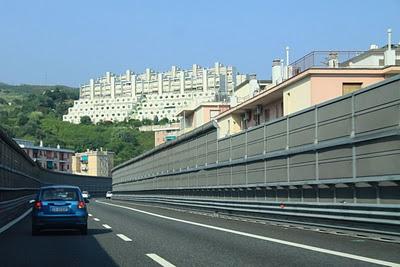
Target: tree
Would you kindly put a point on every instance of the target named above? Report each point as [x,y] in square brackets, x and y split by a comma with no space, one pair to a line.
[86,120]
[163,121]
[155,120]
[135,122]
[22,119]
[147,122]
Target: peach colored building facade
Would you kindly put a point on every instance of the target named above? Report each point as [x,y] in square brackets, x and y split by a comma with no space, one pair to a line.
[165,134]
[196,116]
[306,89]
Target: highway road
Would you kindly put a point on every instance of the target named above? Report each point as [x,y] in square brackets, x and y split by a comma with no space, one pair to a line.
[127,234]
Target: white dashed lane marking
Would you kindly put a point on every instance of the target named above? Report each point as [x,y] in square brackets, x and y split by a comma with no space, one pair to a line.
[97,220]
[106,226]
[265,238]
[160,260]
[90,215]
[124,237]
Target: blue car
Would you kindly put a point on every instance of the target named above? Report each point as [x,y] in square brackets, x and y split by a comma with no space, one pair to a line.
[59,207]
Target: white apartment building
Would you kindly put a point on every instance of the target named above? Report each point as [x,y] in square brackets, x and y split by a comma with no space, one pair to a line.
[151,94]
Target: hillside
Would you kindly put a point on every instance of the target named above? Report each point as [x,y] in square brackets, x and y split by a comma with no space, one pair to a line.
[35,112]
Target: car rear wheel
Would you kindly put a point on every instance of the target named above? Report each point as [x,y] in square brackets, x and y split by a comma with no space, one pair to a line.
[84,230]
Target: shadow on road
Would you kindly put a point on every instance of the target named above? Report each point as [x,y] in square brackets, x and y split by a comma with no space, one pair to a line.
[53,247]
[72,232]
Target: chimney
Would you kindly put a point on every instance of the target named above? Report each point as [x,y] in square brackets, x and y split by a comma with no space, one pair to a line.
[41,143]
[390,54]
[58,146]
[333,61]
[276,71]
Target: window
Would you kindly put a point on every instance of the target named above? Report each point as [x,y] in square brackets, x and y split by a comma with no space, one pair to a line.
[350,87]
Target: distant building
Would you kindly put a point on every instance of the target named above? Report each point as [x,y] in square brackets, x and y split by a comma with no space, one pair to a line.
[56,159]
[93,163]
[162,133]
[152,94]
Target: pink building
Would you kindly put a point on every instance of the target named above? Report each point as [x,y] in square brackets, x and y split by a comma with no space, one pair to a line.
[299,86]
[56,159]
[193,117]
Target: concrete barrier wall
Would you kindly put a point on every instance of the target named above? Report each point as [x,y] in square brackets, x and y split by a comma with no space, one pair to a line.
[346,149]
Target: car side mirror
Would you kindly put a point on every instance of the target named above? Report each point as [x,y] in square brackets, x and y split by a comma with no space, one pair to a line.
[86,200]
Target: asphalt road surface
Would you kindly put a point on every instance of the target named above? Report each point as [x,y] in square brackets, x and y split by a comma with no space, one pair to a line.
[127,234]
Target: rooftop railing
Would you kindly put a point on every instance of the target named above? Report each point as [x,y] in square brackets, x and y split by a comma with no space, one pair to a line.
[323,59]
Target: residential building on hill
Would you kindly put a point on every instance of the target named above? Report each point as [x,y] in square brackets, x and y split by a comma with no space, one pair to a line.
[51,158]
[93,163]
[152,94]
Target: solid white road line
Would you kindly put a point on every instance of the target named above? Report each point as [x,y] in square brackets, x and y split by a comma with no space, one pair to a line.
[97,220]
[90,215]
[124,237]
[160,260]
[283,242]
[8,225]
[106,226]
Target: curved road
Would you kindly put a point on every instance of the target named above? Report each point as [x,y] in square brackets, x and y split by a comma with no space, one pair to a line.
[127,234]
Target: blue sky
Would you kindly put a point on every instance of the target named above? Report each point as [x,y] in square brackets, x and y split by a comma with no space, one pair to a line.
[68,42]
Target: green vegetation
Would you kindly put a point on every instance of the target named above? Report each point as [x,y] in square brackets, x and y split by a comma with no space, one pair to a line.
[35,113]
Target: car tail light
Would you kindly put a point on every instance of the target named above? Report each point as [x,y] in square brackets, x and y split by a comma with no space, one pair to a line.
[81,204]
[38,205]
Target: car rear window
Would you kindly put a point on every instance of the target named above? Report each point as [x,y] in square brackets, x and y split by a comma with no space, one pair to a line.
[59,194]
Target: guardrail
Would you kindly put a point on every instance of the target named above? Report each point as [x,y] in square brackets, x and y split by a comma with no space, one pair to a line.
[371,218]
[11,209]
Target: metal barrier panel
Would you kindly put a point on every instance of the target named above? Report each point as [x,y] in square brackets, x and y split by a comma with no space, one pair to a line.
[276,134]
[255,141]
[378,157]
[212,146]
[238,144]
[335,163]
[302,129]
[334,120]
[224,150]
[302,167]
[255,173]
[346,149]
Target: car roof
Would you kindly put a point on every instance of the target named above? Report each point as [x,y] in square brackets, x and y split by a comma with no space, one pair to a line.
[59,186]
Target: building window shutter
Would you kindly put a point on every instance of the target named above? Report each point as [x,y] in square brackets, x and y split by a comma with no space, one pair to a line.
[350,87]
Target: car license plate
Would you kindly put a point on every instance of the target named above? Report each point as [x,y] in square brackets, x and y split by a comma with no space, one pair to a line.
[59,209]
